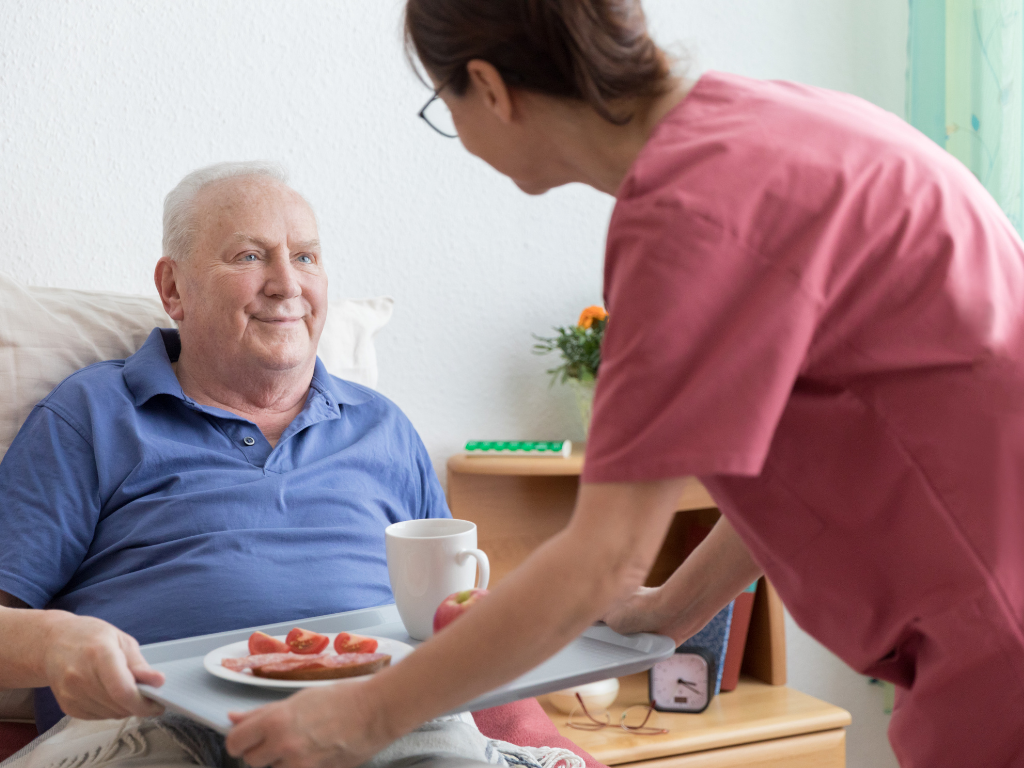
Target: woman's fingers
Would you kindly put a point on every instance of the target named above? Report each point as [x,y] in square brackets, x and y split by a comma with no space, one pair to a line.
[266,739]
[261,755]
[314,728]
[246,735]
[259,736]
[633,614]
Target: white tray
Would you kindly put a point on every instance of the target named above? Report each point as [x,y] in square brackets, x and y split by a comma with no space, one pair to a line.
[192,691]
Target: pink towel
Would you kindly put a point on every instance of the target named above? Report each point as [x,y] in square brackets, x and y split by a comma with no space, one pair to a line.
[527,724]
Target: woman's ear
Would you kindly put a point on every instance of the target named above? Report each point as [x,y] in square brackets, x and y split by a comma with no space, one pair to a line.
[166,277]
[489,86]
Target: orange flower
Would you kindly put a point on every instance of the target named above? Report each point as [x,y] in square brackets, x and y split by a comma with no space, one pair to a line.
[590,314]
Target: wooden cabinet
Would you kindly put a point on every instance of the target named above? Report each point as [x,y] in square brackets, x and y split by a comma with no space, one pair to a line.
[518,502]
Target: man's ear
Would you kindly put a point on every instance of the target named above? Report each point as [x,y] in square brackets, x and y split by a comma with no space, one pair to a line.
[489,86]
[167,276]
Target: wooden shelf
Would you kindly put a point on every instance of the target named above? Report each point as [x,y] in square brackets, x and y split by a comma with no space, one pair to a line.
[754,712]
[695,495]
[473,464]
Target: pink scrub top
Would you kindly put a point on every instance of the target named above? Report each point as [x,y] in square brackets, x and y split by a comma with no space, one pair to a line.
[820,313]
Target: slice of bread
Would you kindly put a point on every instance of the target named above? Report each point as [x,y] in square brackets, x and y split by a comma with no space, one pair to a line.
[325,668]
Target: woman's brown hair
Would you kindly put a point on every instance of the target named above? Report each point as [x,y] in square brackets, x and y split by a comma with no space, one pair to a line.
[596,51]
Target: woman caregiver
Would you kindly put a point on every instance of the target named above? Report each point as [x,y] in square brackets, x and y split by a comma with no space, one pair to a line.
[814,309]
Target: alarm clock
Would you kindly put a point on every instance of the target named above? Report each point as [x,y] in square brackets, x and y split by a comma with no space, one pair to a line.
[684,682]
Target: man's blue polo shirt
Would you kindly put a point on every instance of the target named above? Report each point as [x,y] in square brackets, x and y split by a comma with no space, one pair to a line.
[124,499]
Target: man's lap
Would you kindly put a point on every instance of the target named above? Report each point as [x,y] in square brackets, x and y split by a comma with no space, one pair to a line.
[171,741]
[130,743]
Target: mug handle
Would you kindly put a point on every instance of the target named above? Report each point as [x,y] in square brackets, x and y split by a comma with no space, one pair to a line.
[483,565]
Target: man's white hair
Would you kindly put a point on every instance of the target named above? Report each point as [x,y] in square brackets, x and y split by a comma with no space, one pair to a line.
[179,205]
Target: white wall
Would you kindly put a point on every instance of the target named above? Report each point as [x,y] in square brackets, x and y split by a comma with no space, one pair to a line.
[104,106]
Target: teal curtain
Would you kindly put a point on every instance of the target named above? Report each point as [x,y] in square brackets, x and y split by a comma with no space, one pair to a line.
[965,87]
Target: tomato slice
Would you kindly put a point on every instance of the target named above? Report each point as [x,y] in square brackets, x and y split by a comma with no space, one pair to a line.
[263,643]
[346,642]
[304,641]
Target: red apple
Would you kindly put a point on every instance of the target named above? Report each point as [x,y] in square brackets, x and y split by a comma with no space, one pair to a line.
[454,606]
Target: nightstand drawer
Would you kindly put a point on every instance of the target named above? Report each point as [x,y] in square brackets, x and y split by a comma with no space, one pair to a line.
[814,750]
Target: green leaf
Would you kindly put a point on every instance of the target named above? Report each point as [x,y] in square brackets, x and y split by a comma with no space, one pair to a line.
[580,349]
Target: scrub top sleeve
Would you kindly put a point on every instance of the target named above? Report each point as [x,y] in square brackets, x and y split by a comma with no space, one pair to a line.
[704,343]
[50,507]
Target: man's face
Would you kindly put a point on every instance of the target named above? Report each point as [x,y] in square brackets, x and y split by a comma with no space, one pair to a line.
[253,291]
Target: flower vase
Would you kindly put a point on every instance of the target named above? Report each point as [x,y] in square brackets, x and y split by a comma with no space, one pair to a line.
[584,392]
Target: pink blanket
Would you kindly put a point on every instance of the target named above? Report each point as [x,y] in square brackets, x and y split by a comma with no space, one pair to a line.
[525,723]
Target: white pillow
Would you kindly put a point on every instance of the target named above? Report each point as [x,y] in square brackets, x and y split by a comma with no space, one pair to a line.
[346,345]
[46,334]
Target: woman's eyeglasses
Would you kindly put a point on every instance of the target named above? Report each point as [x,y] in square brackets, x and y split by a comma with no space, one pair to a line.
[633,719]
[436,114]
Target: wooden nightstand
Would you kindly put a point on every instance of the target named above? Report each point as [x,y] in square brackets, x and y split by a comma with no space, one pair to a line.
[517,503]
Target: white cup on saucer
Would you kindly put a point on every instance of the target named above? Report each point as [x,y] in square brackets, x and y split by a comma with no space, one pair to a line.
[427,561]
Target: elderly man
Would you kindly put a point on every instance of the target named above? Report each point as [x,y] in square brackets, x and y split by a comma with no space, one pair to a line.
[218,478]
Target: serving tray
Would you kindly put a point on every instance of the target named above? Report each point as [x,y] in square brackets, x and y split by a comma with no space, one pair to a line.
[190,690]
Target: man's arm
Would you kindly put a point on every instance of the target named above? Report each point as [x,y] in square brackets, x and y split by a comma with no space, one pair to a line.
[718,569]
[92,667]
[48,481]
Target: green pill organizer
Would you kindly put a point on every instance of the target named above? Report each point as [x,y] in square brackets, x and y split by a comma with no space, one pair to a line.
[556,448]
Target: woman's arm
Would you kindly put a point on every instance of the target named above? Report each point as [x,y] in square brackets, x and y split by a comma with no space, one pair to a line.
[603,555]
[718,569]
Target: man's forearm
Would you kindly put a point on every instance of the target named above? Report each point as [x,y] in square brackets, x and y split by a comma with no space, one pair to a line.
[91,666]
[24,633]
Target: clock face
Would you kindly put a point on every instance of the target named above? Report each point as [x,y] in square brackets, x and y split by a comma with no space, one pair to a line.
[681,683]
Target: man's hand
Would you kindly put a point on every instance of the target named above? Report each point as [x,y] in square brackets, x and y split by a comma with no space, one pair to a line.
[314,728]
[93,668]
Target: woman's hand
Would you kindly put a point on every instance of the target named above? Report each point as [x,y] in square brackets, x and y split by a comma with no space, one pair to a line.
[636,613]
[314,728]
[714,573]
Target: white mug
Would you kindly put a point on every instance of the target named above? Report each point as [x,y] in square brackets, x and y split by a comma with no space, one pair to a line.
[427,561]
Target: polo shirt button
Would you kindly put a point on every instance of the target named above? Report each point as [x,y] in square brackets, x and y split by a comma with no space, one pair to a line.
[249,441]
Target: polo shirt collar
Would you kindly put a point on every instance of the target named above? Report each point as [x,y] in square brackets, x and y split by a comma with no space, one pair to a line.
[148,373]
[337,390]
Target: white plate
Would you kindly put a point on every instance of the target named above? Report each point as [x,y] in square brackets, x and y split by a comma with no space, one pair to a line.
[212,661]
